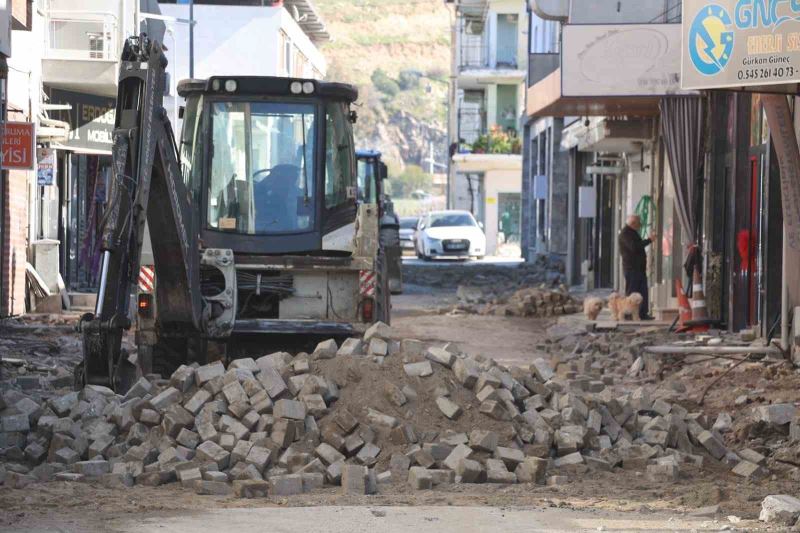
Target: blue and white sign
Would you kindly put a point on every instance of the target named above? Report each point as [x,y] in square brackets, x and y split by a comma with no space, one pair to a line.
[739,43]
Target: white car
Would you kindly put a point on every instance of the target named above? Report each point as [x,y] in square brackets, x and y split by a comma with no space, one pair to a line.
[450,234]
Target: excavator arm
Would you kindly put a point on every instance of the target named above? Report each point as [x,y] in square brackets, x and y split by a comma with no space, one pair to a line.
[146,184]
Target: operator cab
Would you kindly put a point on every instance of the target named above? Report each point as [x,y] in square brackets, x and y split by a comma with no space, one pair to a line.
[371,173]
[269,163]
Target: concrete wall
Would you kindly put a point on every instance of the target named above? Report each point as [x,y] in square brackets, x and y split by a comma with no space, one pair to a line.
[500,174]
[496,182]
[558,240]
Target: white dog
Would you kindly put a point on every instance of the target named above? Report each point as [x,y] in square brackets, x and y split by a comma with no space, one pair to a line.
[625,307]
[592,307]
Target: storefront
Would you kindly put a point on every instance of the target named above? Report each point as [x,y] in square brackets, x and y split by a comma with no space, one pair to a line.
[751,209]
[72,210]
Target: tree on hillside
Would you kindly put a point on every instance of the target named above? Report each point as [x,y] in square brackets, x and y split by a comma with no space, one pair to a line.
[411,179]
[384,83]
[409,79]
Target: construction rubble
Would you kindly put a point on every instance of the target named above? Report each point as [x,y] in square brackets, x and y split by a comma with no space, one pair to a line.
[378,411]
[500,278]
[538,301]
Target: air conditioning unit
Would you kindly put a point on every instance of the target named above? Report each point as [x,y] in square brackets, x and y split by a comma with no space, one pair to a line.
[97,45]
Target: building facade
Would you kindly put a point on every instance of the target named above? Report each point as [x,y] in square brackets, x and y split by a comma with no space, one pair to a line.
[18,32]
[593,153]
[63,80]
[487,103]
[610,132]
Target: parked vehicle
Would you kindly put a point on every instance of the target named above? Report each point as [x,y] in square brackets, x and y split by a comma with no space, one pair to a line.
[453,234]
[371,174]
[408,230]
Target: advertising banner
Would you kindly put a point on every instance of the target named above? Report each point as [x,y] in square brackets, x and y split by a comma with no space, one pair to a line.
[19,146]
[46,171]
[740,43]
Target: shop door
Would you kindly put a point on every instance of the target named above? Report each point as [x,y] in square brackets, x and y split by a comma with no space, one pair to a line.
[509,209]
[604,234]
[748,239]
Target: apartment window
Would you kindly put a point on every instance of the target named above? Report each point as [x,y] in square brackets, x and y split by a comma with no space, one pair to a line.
[544,36]
[472,115]
[288,57]
[283,65]
[96,45]
[298,65]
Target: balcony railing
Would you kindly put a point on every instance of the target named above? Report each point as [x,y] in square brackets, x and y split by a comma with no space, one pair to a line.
[82,35]
[474,53]
[471,124]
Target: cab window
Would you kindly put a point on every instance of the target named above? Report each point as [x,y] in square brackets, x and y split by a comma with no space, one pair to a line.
[367,192]
[340,186]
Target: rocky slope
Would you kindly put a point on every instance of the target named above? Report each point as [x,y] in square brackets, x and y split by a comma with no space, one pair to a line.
[402,108]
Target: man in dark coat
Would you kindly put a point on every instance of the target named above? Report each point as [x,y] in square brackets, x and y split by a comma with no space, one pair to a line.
[634,262]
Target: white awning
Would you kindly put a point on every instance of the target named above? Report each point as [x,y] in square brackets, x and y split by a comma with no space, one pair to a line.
[78,150]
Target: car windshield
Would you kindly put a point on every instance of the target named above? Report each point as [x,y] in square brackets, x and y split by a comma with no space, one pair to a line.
[262,167]
[449,220]
[367,191]
[408,223]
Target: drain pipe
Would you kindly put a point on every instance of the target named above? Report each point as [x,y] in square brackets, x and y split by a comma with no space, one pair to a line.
[712,350]
[784,295]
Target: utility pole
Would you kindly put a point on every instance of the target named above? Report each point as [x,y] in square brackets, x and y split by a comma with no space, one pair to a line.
[191,38]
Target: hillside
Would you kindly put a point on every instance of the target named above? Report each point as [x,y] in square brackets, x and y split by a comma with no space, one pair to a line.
[398,53]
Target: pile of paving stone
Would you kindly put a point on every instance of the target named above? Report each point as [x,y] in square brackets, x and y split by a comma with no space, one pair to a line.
[538,301]
[371,411]
[502,277]
[766,437]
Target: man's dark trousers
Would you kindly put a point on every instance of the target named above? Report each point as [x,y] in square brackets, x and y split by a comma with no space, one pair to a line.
[637,282]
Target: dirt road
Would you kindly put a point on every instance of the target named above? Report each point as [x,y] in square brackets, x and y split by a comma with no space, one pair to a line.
[622,500]
[509,340]
[423,519]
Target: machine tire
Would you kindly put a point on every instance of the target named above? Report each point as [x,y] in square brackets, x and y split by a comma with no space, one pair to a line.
[383,305]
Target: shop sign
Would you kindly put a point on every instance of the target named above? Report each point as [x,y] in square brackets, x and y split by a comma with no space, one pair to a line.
[620,59]
[739,43]
[19,146]
[46,171]
[91,119]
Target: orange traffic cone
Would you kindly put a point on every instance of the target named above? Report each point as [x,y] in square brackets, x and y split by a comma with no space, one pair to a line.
[699,321]
[685,311]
